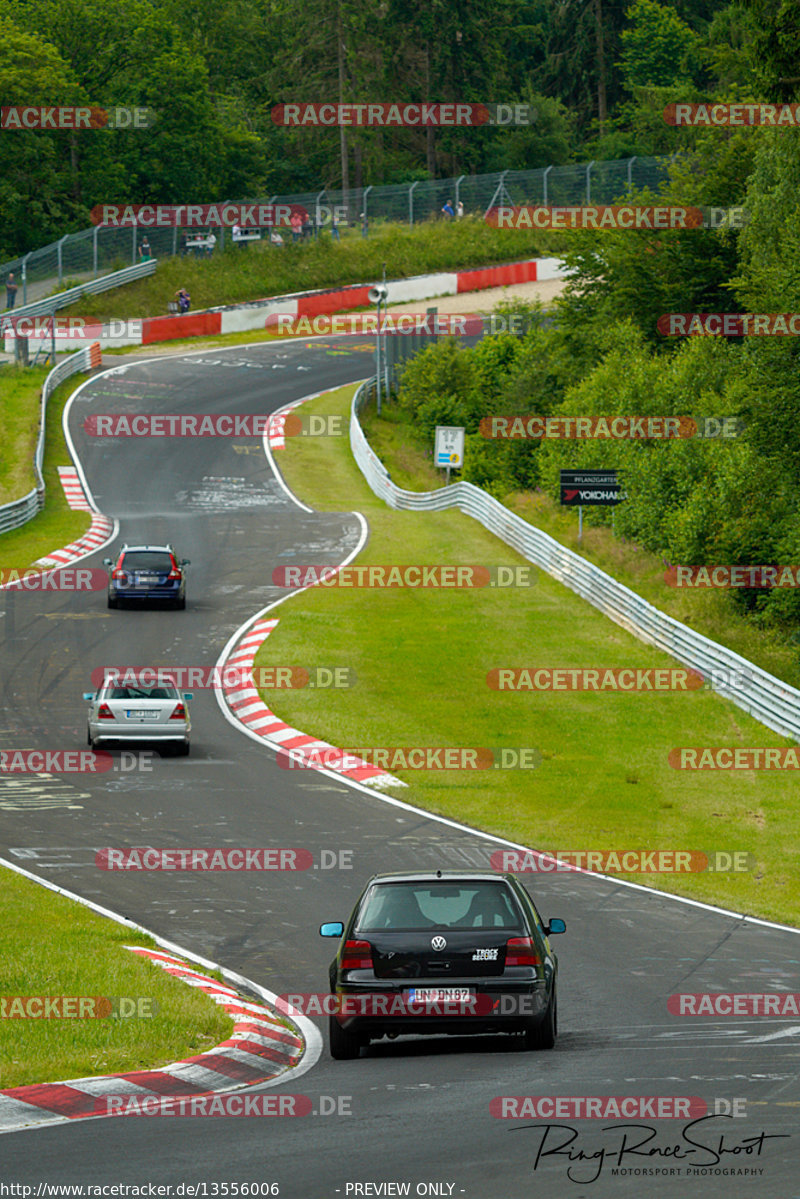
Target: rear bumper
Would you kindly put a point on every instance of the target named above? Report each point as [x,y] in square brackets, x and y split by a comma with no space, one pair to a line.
[103,734]
[498,1007]
[134,594]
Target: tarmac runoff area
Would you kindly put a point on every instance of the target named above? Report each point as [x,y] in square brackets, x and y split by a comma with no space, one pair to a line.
[485,301]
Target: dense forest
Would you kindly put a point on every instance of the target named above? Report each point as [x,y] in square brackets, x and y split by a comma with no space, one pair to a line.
[692,500]
[597,73]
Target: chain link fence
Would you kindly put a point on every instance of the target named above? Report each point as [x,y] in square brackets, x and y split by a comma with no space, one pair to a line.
[102,250]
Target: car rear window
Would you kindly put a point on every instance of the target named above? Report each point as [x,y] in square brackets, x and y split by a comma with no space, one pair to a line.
[164,691]
[146,560]
[405,906]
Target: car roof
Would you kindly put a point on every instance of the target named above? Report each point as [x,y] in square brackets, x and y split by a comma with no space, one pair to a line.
[433,876]
[162,676]
[166,548]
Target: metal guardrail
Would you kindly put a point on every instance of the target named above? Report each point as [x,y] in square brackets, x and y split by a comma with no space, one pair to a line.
[19,512]
[760,694]
[62,299]
[99,247]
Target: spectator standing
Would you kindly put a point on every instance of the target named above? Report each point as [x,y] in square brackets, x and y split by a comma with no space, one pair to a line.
[11,291]
[334,226]
[459,210]
[145,253]
[297,225]
[211,242]
[184,299]
[447,209]
[235,232]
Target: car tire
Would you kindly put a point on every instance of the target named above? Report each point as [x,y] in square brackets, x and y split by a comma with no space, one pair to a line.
[181,603]
[542,1034]
[182,750]
[344,1045]
[88,735]
[113,603]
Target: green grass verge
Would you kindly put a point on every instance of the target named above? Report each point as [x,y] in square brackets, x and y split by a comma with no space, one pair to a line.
[83,954]
[239,275]
[421,660]
[713,612]
[57,524]
[20,389]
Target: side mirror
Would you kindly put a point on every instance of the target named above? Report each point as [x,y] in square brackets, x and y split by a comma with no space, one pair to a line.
[334,928]
[188,695]
[185,562]
[89,695]
[107,562]
[556,926]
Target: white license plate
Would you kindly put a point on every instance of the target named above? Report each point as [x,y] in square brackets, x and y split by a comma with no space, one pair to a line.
[440,995]
[147,580]
[138,715]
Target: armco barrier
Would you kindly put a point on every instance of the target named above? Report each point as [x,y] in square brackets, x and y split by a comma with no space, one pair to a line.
[170,328]
[242,318]
[18,512]
[63,299]
[762,695]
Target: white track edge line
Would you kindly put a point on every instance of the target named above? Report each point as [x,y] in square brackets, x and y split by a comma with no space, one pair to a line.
[309,1030]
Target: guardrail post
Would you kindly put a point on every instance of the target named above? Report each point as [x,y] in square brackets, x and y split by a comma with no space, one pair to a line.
[25,278]
[547,171]
[133,244]
[316,212]
[367,190]
[589,181]
[95,232]
[58,251]
[458,185]
[225,203]
[411,203]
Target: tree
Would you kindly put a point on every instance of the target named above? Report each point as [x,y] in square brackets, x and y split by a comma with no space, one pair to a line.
[658,48]
[34,174]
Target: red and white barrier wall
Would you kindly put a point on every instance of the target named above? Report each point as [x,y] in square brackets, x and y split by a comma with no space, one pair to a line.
[244,318]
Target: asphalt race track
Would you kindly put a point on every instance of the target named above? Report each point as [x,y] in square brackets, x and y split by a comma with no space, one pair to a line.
[418,1110]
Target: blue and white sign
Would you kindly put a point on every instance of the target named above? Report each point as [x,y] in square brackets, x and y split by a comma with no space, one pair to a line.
[449,446]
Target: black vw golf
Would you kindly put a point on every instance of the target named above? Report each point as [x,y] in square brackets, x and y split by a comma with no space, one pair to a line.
[449,952]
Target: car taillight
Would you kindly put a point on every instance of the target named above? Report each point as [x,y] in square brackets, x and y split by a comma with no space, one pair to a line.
[179,713]
[105,713]
[174,573]
[521,951]
[357,955]
[119,574]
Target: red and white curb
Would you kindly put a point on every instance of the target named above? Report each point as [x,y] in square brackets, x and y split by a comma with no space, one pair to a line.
[259,1049]
[73,489]
[276,425]
[98,533]
[247,706]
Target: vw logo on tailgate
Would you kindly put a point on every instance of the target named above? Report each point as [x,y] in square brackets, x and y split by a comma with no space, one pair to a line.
[438,943]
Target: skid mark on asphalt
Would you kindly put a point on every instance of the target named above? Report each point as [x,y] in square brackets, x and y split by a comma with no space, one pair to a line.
[38,791]
[221,494]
